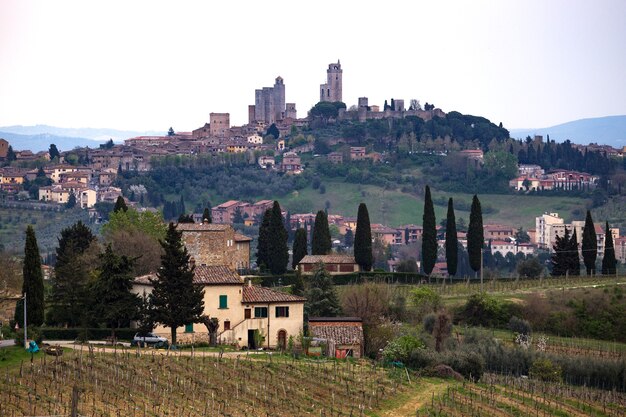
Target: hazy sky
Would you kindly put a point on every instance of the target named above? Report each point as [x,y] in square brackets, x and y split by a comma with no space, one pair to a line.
[153,64]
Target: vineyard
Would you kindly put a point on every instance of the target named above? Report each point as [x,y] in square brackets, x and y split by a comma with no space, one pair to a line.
[508,396]
[130,383]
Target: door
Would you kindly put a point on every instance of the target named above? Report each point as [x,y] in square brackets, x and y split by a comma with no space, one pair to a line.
[247,313]
[282,340]
[251,339]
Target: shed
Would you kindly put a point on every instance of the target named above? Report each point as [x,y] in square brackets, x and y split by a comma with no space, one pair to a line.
[344,335]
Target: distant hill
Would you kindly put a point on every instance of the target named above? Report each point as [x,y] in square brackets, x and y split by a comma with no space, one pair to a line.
[39,137]
[610,130]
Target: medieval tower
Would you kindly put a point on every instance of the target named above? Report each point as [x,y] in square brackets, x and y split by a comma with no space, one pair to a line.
[269,102]
[332,90]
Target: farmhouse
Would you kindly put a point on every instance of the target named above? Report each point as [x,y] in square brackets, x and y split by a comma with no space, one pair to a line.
[334,264]
[249,316]
[343,335]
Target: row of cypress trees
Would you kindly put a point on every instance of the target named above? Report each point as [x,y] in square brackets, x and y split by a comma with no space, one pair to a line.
[272,252]
[475,236]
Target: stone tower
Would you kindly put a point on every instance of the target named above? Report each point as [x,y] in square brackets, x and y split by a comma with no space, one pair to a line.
[332,90]
[269,102]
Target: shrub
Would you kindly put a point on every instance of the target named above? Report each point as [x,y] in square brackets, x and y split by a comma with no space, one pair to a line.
[545,370]
[401,348]
[484,310]
[425,300]
[519,326]
[468,363]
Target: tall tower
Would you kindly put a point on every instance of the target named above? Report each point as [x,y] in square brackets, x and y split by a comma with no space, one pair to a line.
[332,90]
[279,98]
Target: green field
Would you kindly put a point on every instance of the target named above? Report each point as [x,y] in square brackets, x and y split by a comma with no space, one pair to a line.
[395,208]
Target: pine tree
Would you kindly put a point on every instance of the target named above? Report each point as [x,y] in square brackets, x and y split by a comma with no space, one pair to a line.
[363,239]
[69,295]
[176,300]
[278,250]
[297,288]
[561,259]
[321,297]
[120,204]
[609,263]
[263,245]
[451,240]
[53,152]
[429,234]
[32,285]
[206,215]
[475,235]
[590,245]
[299,248]
[321,235]
[114,303]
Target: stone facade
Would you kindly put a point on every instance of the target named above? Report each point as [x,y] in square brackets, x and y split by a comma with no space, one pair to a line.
[269,102]
[219,124]
[333,89]
[4,148]
[213,244]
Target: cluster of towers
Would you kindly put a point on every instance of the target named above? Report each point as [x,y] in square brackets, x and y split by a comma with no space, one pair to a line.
[269,102]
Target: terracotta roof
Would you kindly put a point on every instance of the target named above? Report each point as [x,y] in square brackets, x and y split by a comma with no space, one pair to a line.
[350,333]
[255,294]
[328,259]
[204,275]
[202,226]
[242,238]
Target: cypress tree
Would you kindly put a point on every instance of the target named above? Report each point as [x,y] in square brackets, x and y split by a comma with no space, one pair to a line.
[475,235]
[176,301]
[429,234]
[560,258]
[348,239]
[71,201]
[262,249]
[321,297]
[33,283]
[278,253]
[574,257]
[609,263]
[321,244]
[451,240]
[206,215]
[590,245]
[363,239]
[299,247]
[120,204]
[182,208]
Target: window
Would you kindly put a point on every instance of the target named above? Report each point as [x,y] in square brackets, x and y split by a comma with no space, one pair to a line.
[260,312]
[189,328]
[226,324]
[223,301]
[282,311]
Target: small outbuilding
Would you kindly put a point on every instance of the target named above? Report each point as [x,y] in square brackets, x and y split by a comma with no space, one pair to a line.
[334,264]
[343,335]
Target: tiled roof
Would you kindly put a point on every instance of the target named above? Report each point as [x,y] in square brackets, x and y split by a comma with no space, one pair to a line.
[204,275]
[348,334]
[255,294]
[242,238]
[202,226]
[328,259]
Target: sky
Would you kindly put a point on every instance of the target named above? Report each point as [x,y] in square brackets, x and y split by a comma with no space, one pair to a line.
[149,65]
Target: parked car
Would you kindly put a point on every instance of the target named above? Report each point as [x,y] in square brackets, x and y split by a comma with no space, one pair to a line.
[149,339]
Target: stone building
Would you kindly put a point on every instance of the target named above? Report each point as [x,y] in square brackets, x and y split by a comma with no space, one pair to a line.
[4,148]
[269,103]
[334,264]
[332,90]
[219,124]
[343,335]
[216,244]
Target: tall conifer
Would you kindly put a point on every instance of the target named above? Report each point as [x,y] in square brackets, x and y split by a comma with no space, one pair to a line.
[299,247]
[33,283]
[475,235]
[176,301]
[263,249]
[429,234]
[609,263]
[451,240]
[278,251]
[206,215]
[363,239]
[590,245]
[574,257]
[321,235]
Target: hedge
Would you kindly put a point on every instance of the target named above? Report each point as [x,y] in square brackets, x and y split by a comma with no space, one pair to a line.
[60,333]
[346,279]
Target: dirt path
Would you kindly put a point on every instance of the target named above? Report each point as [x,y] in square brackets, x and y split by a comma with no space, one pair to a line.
[421,395]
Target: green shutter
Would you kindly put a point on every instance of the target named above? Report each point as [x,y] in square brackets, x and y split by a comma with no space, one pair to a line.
[223,301]
[189,328]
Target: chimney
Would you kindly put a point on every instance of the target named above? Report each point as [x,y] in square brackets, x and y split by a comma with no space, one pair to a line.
[250,282]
